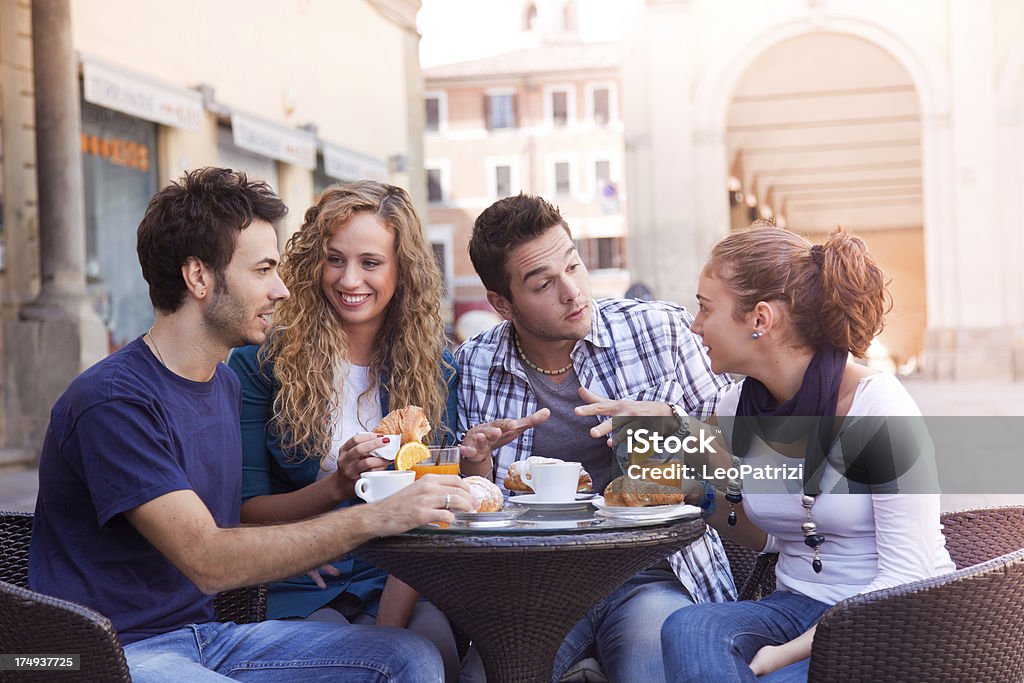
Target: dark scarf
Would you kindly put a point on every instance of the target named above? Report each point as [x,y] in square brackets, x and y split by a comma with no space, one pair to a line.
[811,413]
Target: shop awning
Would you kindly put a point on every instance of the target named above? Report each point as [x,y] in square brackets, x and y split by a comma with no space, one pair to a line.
[136,95]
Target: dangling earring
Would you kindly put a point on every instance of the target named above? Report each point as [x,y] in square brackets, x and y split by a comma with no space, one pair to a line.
[756,335]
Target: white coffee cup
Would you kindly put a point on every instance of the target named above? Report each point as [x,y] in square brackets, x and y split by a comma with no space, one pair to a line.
[389,450]
[374,486]
[554,482]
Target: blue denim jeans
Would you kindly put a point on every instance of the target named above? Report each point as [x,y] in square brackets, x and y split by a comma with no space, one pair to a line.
[716,641]
[284,651]
[623,631]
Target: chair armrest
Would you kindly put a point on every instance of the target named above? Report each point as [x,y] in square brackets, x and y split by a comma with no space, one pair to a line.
[33,623]
[965,625]
[246,605]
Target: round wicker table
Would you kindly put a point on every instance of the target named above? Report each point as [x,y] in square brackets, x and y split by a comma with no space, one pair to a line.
[517,591]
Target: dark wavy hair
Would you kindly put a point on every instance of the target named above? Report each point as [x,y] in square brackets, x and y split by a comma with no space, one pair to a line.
[503,226]
[199,216]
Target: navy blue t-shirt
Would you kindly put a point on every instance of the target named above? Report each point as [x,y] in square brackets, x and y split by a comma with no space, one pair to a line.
[126,431]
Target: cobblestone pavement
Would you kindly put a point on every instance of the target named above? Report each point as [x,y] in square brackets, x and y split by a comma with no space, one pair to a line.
[18,486]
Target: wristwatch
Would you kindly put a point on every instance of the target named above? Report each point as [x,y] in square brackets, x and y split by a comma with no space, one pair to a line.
[680,414]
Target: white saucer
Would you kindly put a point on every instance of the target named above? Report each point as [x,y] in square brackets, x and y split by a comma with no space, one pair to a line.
[498,518]
[507,513]
[530,500]
[654,512]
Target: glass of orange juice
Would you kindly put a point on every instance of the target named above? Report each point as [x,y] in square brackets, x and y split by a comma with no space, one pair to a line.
[443,460]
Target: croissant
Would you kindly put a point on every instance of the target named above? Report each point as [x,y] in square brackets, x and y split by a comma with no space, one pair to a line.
[410,422]
[488,496]
[514,477]
[625,491]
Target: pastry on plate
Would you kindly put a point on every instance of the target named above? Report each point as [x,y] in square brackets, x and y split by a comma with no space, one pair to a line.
[487,495]
[626,491]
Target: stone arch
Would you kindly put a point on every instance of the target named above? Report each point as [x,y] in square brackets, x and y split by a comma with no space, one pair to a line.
[928,72]
[926,68]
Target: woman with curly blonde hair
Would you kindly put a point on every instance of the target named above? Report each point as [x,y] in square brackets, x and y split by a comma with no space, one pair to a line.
[361,334]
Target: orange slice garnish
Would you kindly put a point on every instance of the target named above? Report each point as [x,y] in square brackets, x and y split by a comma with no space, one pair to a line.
[411,454]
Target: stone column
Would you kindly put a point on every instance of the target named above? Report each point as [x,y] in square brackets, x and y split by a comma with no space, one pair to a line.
[59,165]
[61,196]
[58,334]
[665,242]
[296,191]
[969,328]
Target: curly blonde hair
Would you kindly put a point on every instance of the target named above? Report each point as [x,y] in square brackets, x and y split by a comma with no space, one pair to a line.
[308,343]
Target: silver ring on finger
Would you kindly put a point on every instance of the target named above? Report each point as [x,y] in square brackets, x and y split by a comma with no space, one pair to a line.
[447,501]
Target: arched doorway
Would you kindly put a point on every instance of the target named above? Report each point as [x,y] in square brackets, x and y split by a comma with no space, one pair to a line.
[815,142]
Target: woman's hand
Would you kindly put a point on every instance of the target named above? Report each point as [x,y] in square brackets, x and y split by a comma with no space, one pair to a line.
[774,657]
[318,579]
[767,660]
[354,458]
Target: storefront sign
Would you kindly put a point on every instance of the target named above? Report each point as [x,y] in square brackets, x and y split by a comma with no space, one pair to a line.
[138,96]
[271,140]
[344,164]
[127,153]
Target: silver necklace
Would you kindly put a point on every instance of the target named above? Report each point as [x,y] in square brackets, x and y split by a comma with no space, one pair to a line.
[156,348]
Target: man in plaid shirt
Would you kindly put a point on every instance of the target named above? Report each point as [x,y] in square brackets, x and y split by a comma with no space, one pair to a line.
[542,383]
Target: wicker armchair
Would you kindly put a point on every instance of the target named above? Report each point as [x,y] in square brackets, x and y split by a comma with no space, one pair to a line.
[752,572]
[33,623]
[968,625]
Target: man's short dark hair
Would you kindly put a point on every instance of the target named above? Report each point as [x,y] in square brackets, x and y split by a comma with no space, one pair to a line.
[199,216]
[503,226]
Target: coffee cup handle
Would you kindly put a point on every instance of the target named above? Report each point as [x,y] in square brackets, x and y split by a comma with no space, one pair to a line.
[360,489]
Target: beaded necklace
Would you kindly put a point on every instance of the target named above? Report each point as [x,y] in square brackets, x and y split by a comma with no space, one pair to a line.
[534,366]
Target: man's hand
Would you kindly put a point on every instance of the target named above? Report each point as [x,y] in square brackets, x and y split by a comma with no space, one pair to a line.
[483,439]
[433,499]
[599,405]
[354,458]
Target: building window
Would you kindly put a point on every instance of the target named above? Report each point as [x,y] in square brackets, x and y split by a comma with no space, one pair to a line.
[435,191]
[433,123]
[502,181]
[440,254]
[440,238]
[602,253]
[602,174]
[559,108]
[562,185]
[530,17]
[602,106]
[569,17]
[501,111]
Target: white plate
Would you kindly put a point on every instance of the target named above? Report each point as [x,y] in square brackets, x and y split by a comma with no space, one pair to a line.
[654,512]
[530,501]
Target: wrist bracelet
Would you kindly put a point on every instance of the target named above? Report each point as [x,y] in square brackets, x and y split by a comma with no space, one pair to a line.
[680,415]
[707,501]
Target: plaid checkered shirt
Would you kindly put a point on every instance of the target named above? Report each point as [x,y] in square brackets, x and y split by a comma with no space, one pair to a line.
[640,350]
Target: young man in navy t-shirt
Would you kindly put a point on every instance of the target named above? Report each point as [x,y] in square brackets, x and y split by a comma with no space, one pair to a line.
[140,474]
